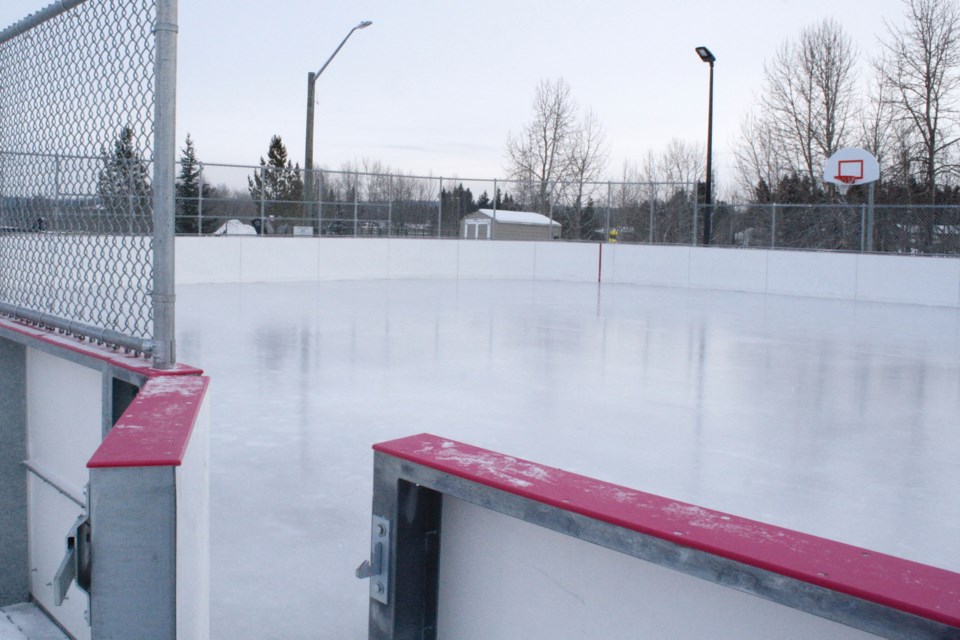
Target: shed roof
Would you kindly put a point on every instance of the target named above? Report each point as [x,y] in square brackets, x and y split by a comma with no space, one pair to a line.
[518,217]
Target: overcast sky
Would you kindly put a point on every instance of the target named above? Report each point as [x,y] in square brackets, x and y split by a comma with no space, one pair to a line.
[435,87]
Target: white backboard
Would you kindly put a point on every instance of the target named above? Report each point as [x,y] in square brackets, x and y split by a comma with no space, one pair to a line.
[851,166]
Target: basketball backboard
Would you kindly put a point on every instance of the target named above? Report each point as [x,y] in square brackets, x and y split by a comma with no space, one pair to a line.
[851,166]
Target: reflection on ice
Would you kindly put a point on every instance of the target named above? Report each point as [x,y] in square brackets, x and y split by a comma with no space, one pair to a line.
[830,417]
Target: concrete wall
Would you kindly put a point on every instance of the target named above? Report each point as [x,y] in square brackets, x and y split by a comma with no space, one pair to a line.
[865,277]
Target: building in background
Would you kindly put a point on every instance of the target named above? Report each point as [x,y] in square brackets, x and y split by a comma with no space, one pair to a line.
[490,224]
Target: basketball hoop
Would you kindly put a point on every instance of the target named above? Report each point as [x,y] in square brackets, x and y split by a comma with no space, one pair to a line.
[844,183]
[848,167]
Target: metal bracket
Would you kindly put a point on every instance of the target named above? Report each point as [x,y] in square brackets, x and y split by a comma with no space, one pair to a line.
[377,568]
[76,562]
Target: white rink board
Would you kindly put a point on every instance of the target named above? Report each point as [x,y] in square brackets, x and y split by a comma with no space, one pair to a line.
[504,578]
[848,276]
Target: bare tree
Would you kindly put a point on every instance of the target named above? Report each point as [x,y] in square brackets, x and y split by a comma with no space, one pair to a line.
[810,95]
[586,160]
[537,155]
[682,163]
[759,156]
[921,72]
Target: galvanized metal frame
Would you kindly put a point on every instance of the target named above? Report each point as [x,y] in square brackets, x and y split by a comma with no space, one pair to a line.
[14,553]
[133,587]
[163,158]
[410,496]
[164,185]
[132,510]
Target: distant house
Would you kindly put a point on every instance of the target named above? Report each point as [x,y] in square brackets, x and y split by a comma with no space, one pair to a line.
[487,224]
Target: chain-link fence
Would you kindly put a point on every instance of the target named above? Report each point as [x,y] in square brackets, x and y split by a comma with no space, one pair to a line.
[269,201]
[77,152]
[904,229]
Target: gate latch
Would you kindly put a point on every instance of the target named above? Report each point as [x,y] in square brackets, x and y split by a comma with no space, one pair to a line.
[377,568]
[76,562]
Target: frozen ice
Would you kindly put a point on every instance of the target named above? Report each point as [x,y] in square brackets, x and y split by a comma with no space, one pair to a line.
[26,622]
[834,418]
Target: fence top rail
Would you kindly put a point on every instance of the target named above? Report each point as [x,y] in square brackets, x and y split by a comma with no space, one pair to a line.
[451,178]
[900,584]
[35,19]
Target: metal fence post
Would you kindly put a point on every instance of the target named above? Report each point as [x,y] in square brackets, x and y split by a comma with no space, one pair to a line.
[164,181]
[263,194]
[356,195]
[693,237]
[320,205]
[200,204]
[440,209]
[550,195]
[653,203]
[493,223]
[606,227]
[773,225]
[863,228]
[390,206]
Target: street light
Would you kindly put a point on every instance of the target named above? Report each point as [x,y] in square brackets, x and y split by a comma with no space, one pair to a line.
[709,58]
[308,155]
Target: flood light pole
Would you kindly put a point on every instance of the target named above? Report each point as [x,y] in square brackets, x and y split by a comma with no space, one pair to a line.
[308,154]
[709,58]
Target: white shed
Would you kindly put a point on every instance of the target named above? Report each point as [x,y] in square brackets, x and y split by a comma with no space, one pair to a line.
[488,224]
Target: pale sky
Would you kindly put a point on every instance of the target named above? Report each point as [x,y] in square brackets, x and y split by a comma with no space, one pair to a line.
[435,87]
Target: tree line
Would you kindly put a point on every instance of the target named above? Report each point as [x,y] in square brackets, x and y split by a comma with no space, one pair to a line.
[812,101]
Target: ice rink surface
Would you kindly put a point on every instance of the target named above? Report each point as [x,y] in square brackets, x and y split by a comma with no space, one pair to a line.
[835,418]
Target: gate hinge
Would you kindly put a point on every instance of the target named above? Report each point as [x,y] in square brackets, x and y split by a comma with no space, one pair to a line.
[377,568]
[76,562]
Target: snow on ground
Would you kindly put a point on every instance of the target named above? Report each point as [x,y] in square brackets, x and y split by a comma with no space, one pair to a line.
[830,417]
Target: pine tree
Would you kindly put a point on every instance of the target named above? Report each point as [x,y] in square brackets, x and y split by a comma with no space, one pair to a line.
[124,185]
[278,184]
[188,190]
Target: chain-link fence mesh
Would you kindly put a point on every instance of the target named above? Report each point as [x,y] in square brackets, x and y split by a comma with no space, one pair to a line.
[269,201]
[76,135]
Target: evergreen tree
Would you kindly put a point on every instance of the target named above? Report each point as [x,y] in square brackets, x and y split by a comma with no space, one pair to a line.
[484,202]
[188,190]
[124,185]
[278,184]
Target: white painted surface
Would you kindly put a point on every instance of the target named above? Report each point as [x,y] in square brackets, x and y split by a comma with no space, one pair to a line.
[728,269]
[208,259]
[422,258]
[912,280]
[874,277]
[50,518]
[514,260]
[64,421]
[812,273]
[657,265]
[273,259]
[193,533]
[504,578]
[353,258]
[64,428]
[567,262]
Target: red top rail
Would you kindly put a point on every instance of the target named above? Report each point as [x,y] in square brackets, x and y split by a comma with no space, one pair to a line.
[900,584]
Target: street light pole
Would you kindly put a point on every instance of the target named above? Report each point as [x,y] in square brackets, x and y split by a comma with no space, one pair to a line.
[311,98]
[709,58]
